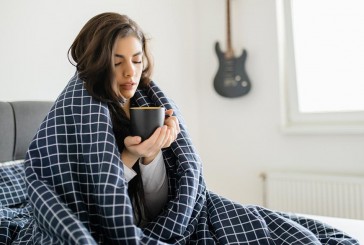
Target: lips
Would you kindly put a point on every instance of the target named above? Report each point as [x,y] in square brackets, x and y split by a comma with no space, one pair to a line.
[127,86]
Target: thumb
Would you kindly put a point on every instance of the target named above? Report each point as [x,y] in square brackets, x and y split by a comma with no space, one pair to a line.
[169,112]
[132,140]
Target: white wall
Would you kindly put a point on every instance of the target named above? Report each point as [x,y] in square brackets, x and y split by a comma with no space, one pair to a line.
[240,138]
[237,139]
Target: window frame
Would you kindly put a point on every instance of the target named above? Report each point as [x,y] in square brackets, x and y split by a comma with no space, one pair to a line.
[292,120]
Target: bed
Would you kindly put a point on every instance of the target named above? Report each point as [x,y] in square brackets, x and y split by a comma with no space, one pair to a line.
[353,227]
[19,121]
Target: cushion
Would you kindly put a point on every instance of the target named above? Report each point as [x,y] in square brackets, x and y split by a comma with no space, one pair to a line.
[7,132]
[28,116]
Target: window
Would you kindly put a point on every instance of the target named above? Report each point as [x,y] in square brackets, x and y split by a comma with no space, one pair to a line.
[321,60]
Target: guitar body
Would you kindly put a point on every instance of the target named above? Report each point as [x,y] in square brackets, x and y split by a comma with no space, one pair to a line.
[231,79]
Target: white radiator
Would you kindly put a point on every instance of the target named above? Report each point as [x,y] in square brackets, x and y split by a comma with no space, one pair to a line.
[327,195]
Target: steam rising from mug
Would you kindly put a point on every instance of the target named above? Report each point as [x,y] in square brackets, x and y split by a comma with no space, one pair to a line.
[145,120]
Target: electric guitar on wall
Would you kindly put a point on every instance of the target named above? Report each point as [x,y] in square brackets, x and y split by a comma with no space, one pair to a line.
[231,79]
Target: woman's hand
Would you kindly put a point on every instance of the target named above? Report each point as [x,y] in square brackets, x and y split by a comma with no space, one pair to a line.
[173,125]
[149,148]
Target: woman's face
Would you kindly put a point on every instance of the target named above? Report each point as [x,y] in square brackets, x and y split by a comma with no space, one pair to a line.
[128,66]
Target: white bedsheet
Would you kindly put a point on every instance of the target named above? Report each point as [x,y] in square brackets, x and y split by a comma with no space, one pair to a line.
[352,227]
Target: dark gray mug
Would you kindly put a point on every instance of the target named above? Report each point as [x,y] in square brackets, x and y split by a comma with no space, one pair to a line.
[145,120]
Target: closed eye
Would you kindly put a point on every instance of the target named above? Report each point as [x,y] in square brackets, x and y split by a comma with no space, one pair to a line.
[135,62]
[137,56]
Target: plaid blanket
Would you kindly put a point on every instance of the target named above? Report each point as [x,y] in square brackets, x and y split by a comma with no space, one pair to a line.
[78,193]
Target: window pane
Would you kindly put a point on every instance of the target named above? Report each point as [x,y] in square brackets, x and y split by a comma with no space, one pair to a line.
[329,54]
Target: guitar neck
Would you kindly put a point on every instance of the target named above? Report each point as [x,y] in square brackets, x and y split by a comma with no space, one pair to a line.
[229,51]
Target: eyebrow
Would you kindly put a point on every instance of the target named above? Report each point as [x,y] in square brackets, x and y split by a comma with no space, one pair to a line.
[122,56]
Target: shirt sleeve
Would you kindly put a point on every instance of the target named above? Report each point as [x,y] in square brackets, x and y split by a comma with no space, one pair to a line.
[129,173]
[155,184]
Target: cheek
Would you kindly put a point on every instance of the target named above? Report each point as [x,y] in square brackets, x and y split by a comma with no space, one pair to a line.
[115,74]
[139,71]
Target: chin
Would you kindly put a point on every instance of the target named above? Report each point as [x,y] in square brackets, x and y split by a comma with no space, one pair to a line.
[128,96]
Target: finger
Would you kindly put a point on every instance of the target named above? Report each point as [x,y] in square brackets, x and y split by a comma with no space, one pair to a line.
[158,144]
[153,143]
[169,113]
[145,148]
[169,122]
[173,122]
[153,138]
[168,140]
[177,125]
[164,137]
[173,135]
[132,140]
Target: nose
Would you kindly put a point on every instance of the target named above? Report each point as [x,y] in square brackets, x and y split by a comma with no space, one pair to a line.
[129,70]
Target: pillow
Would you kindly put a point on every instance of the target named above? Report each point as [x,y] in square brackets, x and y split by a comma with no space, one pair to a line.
[12,184]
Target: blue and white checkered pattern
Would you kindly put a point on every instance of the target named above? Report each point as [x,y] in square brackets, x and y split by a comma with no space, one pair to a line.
[79,195]
[15,213]
[12,184]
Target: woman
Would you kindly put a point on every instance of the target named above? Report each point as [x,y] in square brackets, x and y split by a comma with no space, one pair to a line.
[90,182]
[113,78]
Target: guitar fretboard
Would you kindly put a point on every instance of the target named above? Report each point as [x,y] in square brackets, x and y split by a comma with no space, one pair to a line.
[229,52]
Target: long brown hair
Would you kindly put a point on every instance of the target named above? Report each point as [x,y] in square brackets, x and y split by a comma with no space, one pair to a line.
[91,53]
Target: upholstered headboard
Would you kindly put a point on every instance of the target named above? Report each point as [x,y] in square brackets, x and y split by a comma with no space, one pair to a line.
[19,121]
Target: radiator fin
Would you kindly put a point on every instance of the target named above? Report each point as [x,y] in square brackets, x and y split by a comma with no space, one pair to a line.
[326,195]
